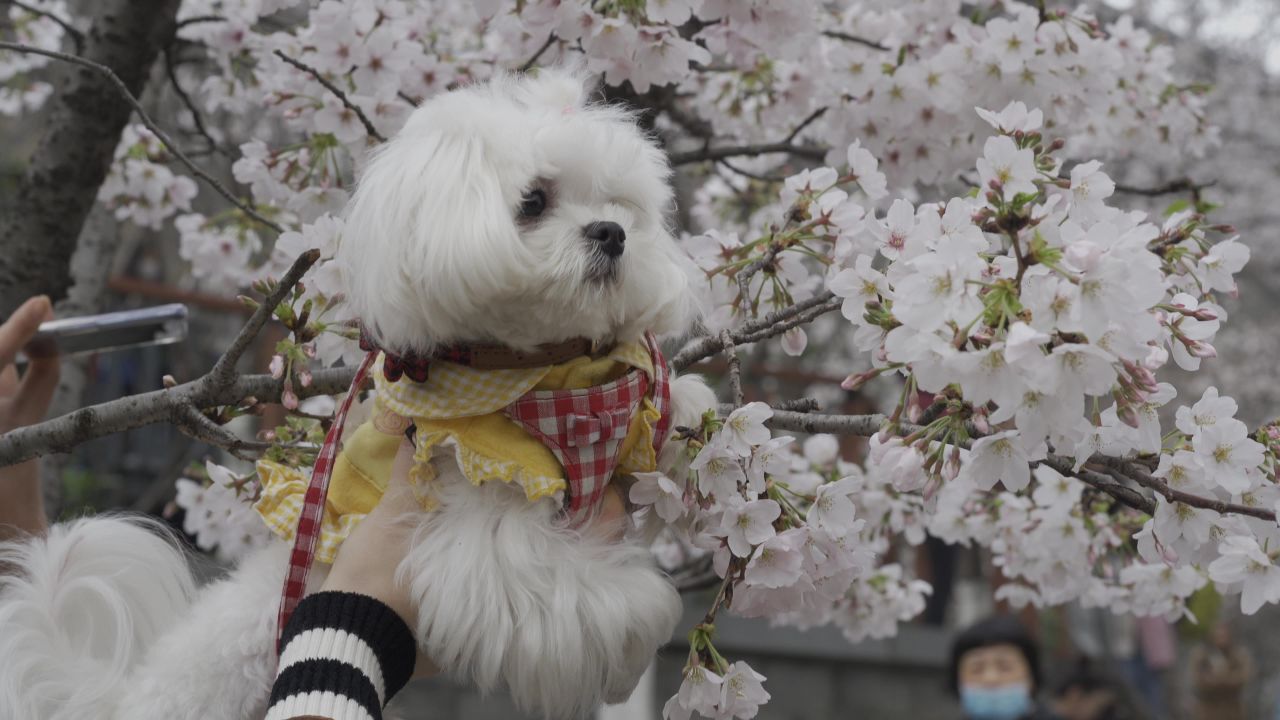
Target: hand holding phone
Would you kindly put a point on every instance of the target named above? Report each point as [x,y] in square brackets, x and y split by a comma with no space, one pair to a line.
[159,325]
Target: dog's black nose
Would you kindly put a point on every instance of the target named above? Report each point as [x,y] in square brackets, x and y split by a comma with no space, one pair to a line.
[610,236]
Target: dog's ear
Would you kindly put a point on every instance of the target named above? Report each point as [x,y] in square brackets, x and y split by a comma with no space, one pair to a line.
[427,229]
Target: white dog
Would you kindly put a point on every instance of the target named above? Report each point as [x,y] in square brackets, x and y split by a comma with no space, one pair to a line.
[511,212]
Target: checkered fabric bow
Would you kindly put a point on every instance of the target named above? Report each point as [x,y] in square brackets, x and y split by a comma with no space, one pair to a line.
[584,430]
[394,366]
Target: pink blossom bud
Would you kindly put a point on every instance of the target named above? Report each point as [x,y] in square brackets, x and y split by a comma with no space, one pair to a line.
[304,378]
[951,468]
[853,382]
[1128,415]
[1201,349]
[1204,314]
[288,398]
[981,424]
[1143,379]
[309,350]
[277,366]
[914,411]
[267,435]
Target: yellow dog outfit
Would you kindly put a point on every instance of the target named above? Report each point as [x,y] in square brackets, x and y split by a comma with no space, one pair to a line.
[469,411]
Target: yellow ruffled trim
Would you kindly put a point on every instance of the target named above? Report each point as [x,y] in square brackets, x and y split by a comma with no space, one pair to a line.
[479,468]
[280,505]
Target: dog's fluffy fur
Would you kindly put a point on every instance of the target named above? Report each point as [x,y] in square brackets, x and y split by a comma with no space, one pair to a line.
[99,619]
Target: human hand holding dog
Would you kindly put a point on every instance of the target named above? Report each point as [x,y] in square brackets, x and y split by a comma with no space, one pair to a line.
[23,401]
[367,560]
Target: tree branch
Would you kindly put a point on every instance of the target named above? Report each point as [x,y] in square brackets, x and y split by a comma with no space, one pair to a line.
[77,37]
[753,175]
[721,153]
[735,367]
[1173,186]
[177,404]
[1120,469]
[197,120]
[160,134]
[527,65]
[771,325]
[795,132]
[337,92]
[224,370]
[857,40]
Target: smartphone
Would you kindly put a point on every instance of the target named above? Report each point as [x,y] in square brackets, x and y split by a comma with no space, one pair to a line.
[160,325]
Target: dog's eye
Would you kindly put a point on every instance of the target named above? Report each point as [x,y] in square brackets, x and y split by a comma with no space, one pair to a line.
[533,204]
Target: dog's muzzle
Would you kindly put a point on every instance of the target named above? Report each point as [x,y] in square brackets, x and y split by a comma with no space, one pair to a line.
[608,238]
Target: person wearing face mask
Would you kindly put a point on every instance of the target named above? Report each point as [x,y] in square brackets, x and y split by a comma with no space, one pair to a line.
[995,672]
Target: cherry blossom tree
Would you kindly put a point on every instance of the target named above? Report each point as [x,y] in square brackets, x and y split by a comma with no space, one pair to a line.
[925,186]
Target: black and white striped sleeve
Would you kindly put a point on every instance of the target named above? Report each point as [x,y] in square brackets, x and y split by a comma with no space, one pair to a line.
[343,655]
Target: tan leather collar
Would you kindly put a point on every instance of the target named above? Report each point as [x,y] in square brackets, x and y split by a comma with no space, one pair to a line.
[483,356]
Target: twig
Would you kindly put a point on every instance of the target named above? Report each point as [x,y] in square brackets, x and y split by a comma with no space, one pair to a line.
[528,64]
[196,424]
[196,119]
[771,325]
[223,373]
[336,91]
[752,175]
[77,37]
[743,276]
[855,39]
[795,132]
[1173,186]
[200,19]
[804,151]
[161,135]
[735,367]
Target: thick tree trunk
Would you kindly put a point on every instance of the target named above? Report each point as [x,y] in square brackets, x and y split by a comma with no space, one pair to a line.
[62,178]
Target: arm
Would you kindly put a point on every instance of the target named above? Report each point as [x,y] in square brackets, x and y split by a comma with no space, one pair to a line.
[23,401]
[348,649]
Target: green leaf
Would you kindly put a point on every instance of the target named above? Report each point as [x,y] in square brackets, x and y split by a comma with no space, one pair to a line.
[1177,206]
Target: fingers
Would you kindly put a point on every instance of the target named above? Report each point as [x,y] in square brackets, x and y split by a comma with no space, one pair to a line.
[401,465]
[8,380]
[610,519]
[35,390]
[21,325]
[399,497]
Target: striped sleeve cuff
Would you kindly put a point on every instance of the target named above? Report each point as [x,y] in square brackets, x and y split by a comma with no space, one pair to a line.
[343,656]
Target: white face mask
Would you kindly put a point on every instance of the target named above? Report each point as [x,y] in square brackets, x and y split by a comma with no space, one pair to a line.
[1004,702]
